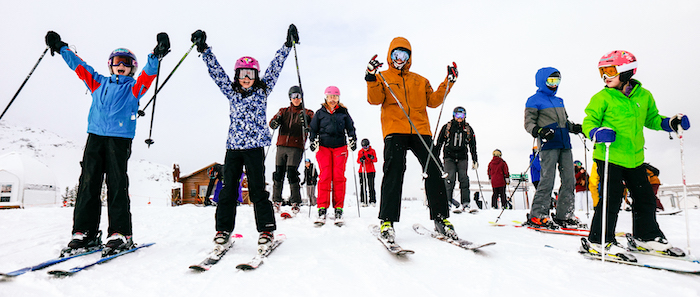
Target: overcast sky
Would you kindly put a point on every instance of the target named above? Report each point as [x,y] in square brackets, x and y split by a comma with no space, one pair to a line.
[497,45]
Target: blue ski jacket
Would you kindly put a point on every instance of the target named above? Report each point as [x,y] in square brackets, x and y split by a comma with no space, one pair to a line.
[115,99]
[331,127]
[544,109]
[248,127]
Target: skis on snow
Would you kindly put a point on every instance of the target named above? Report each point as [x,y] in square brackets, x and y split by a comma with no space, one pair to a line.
[392,247]
[465,244]
[262,255]
[215,255]
[49,263]
[74,270]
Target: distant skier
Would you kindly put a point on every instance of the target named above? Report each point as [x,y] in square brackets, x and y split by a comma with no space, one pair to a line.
[216,182]
[458,138]
[248,134]
[583,200]
[617,115]
[366,157]
[500,178]
[111,129]
[330,129]
[547,120]
[291,140]
[653,175]
[414,94]
[310,179]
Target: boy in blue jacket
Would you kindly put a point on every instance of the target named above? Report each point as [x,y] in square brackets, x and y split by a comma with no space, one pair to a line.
[111,128]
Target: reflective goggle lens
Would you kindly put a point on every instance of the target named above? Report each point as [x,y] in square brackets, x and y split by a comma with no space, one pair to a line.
[249,73]
[127,61]
[553,81]
[460,115]
[608,71]
[399,54]
[295,96]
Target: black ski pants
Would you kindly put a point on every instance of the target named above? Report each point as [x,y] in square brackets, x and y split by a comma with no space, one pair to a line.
[367,186]
[255,171]
[103,155]
[395,148]
[644,225]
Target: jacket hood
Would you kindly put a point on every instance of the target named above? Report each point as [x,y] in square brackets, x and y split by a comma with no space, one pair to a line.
[541,80]
[396,43]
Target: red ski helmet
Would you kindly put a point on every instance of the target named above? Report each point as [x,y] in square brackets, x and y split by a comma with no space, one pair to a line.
[617,62]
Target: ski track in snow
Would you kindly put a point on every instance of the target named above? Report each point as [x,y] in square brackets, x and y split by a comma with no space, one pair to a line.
[346,261]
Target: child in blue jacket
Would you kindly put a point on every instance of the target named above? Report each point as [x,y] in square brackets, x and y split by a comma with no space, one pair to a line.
[111,128]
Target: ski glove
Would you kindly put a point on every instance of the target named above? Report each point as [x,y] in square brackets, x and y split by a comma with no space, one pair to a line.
[53,41]
[362,159]
[274,123]
[199,38]
[452,73]
[475,165]
[353,143]
[314,145]
[163,46]
[671,124]
[372,69]
[576,129]
[371,157]
[545,133]
[602,135]
[292,36]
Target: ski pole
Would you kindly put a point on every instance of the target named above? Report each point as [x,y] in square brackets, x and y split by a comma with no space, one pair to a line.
[149,141]
[443,174]
[685,188]
[271,145]
[585,159]
[437,124]
[481,192]
[153,99]
[365,178]
[537,152]
[25,81]
[604,200]
[357,197]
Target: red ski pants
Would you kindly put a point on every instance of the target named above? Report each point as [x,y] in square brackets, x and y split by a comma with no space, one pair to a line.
[331,163]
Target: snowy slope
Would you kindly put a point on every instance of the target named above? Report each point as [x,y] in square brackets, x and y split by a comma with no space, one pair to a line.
[329,260]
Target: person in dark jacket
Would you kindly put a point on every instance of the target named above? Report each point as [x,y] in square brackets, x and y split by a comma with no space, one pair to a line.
[111,129]
[367,157]
[547,120]
[458,138]
[291,121]
[216,182]
[310,178]
[330,127]
[499,177]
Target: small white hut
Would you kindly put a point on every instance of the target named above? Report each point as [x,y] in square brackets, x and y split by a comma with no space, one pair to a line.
[25,181]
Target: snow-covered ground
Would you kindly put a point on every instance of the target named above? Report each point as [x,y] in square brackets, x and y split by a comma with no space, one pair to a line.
[329,260]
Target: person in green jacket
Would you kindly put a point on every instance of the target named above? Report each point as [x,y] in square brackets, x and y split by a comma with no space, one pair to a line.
[616,116]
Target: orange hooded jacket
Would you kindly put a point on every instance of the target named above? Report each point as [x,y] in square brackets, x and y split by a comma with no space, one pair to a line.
[412,90]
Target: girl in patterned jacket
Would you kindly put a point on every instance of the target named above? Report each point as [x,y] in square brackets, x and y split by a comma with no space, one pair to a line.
[248,134]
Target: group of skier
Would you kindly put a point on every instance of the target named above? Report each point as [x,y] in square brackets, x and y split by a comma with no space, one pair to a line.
[614,120]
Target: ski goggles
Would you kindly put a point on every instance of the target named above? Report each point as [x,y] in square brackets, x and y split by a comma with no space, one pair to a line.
[578,163]
[460,115]
[249,73]
[126,61]
[295,96]
[612,70]
[400,55]
[553,81]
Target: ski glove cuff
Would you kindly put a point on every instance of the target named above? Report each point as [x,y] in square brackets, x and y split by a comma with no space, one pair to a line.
[602,135]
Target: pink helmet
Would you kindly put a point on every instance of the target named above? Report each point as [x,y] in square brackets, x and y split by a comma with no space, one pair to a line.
[622,60]
[247,62]
[332,90]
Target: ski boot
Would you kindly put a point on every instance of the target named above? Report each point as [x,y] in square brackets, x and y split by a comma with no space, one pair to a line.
[386,231]
[573,223]
[657,245]
[117,243]
[277,206]
[444,228]
[295,208]
[265,242]
[222,237]
[339,217]
[321,217]
[540,223]
[81,243]
[612,250]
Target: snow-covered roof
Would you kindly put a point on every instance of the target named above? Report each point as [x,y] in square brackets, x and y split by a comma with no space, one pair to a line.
[30,171]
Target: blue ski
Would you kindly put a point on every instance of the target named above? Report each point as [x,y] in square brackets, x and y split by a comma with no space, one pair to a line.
[74,270]
[46,264]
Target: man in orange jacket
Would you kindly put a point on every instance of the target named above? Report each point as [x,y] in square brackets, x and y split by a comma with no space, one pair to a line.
[414,94]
